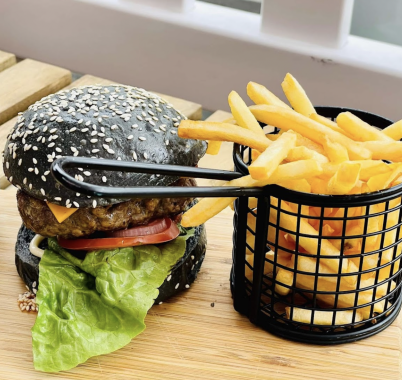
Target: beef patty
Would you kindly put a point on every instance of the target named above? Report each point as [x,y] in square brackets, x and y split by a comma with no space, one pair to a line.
[37,216]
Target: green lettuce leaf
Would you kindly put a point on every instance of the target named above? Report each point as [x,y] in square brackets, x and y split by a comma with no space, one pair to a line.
[97,305]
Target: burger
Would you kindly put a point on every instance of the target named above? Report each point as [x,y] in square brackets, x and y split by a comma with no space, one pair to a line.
[80,254]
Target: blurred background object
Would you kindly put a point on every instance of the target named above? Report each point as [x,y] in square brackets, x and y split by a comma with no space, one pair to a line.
[201,50]
[378,20]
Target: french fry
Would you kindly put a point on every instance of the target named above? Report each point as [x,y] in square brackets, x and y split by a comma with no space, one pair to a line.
[309,265]
[204,210]
[215,146]
[252,203]
[358,188]
[284,278]
[295,170]
[254,154]
[330,282]
[261,95]
[247,271]
[312,154]
[267,162]
[243,115]
[329,211]
[384,150]
[329,169]
[373,226]
[337,225]
[288,119]
[231,120]
[300,185]
[353,250]
[303,153]
[390,236]
[305,148]
[318,186]
[207,208]
[329,123]
[384,180]
[370,168]
[327,230]
[303,209]
[300,142]
[322,317]
[360,130]
[344,179]
[311,244]
[394,131]
[297,96]
[336,152]
[209,130]
[343,300]
[272,137]
[350,243]
[268,266]
[285,172]
[397,181]
[372,242]
[282,257]
[306,142]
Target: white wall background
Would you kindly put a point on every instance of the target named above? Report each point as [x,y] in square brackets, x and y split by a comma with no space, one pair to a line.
[200,55]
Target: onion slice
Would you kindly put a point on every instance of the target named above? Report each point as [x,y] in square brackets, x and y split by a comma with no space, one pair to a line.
[34,245]
[155,227]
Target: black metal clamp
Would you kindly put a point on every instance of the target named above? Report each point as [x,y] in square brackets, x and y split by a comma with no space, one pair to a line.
[59,173]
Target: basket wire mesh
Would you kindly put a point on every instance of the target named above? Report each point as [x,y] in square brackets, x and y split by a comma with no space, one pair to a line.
[317,268]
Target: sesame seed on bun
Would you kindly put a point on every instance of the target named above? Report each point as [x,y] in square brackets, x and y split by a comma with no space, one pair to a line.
[114,122]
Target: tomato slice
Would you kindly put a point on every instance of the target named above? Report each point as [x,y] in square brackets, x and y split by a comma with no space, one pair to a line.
[155,227]
[170,233]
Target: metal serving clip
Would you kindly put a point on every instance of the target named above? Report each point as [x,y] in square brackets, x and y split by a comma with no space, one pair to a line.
[58,171]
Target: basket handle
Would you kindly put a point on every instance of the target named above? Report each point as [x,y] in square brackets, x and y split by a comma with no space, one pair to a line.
[58,171]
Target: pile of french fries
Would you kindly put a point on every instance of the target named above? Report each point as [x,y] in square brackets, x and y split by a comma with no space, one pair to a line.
[314,154]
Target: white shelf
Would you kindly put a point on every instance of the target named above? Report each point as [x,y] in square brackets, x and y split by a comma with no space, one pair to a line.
[200,54]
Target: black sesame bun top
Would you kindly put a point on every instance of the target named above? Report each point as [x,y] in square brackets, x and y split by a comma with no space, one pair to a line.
[114,122]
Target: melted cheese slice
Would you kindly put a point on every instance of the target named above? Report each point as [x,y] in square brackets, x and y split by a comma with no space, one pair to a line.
[61,213]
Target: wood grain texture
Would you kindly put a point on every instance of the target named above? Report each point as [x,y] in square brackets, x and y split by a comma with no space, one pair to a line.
[187,337]
[25,83]
[6,60]
[192,110]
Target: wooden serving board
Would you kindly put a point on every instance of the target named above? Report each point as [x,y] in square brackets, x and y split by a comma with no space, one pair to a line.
[195,335]
[6,60]
[25,83]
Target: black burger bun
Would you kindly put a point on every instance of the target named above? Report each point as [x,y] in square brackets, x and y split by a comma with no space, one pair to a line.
[183,273]
[114,122]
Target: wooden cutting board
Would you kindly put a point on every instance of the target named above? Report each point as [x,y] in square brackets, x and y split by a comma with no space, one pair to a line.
[25,83]
[196,335]
[6,60]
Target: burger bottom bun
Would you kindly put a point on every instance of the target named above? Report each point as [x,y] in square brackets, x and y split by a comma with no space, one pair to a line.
[183,273]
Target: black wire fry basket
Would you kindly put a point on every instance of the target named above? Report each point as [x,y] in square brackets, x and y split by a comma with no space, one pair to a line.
[295,279]
[312,268]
